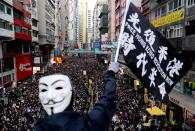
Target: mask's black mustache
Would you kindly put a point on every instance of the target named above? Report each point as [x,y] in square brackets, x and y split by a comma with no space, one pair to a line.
[53,102]
[48,103]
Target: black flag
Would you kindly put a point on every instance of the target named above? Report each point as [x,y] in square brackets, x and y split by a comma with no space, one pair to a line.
[149,55]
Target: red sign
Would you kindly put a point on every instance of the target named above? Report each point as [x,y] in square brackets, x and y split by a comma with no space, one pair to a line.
[23,66]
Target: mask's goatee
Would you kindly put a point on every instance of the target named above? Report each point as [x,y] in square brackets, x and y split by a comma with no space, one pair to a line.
[52,111]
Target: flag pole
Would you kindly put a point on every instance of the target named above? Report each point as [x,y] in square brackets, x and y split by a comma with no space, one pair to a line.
[122,29]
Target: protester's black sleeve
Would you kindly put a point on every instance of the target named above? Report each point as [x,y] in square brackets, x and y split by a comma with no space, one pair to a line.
[103,111]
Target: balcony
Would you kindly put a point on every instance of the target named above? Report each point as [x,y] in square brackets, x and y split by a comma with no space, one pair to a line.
[9,2]
[117,6]
[6,17]
[146,11]
[18,5]
[188,44]
[50,38]
[144,2]
[190,76]
[6,34]
[8,77]
[103,10]
[35,39]
[190,13]
[22,36]
[22,23]
[176,43]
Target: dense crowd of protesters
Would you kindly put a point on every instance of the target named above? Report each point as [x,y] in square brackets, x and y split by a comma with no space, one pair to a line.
[20,106]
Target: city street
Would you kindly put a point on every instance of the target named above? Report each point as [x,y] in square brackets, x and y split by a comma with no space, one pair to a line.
[23,108]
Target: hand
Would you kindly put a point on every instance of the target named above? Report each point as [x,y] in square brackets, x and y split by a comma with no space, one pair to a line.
[114,66]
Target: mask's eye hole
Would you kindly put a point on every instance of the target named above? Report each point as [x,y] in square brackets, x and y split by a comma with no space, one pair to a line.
[43,90]
[58,88]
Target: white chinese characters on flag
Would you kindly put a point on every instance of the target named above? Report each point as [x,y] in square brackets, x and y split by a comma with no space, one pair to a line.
[149,55]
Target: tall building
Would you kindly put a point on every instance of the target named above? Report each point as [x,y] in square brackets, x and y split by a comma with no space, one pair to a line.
[96,32]
[71,24]
[6,34]
[57,24]
[79,24]
[34,22]
[176,21]
[36,56]
[46,25]
[100,18]
[89,27]
[103,16]
[119,10]
[75,24]
[84,23]
[111,20]
[146,7]
[62,13]
[120,6]
[16,62]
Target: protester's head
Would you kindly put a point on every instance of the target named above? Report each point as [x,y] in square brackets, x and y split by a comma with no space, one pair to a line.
[55,92]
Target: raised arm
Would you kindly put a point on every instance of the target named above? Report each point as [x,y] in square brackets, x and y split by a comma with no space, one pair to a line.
[103,111]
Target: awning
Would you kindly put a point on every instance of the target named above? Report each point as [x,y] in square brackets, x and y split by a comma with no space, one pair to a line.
[155,111]
[182,100]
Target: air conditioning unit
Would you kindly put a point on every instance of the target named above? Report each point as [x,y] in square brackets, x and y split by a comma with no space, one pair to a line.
[187,23]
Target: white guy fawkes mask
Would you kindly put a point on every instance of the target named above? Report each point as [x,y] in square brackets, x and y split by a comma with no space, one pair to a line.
[55,92]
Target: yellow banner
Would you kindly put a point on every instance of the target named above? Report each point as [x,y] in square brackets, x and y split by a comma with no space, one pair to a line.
[170,116]
[145,98]
[170,18]
[163,107]
[136,84]
[90,81]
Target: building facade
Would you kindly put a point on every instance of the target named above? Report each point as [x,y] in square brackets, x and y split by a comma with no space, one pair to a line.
[71,23]
[84,23]
[79,25]
[62,13]
[111,20]
[16,28]
[36,55]
[46,25]
[6,34]
[176,21]
[96,32]
[89,27]
[119,12]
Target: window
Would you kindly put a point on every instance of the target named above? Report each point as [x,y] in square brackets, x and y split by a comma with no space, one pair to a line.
[2,7]
[9,11]
[174,31]
[175,5]
[35,33]
[17,28]
[157,13]
[8,48]
[1,23]
[5,25]
[26,48]
[163,10]
[18,49]
[34,22]
[0,66]
[190,2]
[18,15]
[8,64]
